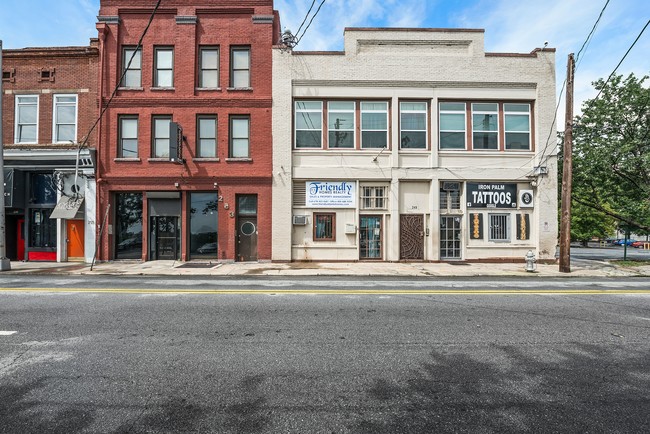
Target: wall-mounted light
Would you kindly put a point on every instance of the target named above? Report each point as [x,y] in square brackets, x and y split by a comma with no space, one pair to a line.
[215,185]
[176,184]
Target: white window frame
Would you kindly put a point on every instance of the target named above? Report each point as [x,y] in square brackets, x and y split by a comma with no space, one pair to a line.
[486,112]
[507,113]
[200,139]
[424,112]
[242,139]
[351,129]
[17,116]
[301,111]
[369,197]
[204,70]
[157,68]
[125,63]
[442,111]
[121,138]
[159,149]
[374,130]
[491,227]
[55,105]
[238,71]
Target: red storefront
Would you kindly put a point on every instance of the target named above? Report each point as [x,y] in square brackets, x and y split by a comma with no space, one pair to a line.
[184,155]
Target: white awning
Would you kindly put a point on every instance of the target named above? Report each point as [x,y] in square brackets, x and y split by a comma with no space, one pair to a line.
[67,207]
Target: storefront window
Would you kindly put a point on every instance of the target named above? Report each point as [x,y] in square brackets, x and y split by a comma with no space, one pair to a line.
[128,237]
[43,191]
[42,229]
[203,225]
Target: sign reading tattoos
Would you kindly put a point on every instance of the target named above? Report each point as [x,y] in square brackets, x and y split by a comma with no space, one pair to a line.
[491,195]
[331,194]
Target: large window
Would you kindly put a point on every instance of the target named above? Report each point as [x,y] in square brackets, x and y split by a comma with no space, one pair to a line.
[42,189]
[204,225]
[133,75]
[65,118]
[128,136]
[517,126]
[309,124]
[209,67]
[450,196]
[42,229]
[240,74]
[413,125]
[160,136]
[452,125]
[206,139]
[374,197]
[485,126]
[163,67]
[26,119]
[324,227]
[340,124]
[374,125]
[128,226]
[239,136]
[499,227]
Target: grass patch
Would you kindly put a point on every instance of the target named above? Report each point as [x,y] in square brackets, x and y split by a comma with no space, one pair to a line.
[629,263]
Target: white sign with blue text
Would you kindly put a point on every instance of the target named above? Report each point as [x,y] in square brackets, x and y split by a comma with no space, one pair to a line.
[330,194]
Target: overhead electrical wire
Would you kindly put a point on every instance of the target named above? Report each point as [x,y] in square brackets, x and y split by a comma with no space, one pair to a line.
[306,16]
[299,38]
[588,40]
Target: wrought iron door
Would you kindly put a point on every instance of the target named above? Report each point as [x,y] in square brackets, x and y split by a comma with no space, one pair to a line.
[411,244]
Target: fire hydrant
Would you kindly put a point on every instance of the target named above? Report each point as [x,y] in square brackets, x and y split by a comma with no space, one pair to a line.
[530,261]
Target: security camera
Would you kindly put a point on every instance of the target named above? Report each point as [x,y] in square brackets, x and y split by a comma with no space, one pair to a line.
[545,44]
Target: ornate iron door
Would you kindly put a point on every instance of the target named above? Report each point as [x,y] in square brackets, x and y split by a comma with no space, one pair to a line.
[411,245]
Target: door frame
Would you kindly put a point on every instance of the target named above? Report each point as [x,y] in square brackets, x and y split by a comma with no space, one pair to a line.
[381,237]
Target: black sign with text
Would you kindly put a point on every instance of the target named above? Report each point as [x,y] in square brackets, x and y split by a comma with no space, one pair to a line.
[491,195]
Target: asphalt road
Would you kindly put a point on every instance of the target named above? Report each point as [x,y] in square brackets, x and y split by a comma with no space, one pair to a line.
[268,362]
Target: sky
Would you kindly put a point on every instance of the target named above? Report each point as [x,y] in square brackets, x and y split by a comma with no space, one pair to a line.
[517,26]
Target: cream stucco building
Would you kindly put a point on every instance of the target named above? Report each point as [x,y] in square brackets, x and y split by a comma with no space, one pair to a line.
[414,144]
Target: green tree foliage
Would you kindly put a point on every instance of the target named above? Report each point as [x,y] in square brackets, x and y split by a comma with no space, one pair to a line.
[588,223]
[611,153]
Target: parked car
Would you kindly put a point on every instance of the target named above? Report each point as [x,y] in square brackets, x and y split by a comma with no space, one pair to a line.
[208,248]
[638,244]
[622,242]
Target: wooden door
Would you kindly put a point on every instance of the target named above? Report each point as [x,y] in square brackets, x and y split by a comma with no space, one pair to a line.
[75,240]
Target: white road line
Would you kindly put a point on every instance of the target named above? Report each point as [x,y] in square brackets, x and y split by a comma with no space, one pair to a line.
[7,333]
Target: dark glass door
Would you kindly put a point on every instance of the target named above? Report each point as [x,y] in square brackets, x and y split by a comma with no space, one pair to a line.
[164,240]
[370,237]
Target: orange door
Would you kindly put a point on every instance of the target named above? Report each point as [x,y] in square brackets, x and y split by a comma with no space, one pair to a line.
[75,241]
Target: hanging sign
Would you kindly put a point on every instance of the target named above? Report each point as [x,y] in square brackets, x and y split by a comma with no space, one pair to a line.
[491,195]
[328,194]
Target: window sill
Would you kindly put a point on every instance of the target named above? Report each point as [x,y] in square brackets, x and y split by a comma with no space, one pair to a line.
[239,160]
[163,89]
[159,160]
[240,89]
[208,89]
[126,160]
[206,159]
[131,88]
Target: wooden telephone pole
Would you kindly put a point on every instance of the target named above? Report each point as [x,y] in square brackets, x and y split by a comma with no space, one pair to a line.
[567,173]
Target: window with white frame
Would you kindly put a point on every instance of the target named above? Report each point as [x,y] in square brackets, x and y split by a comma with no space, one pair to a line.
[374,125]
[308,124]
[206,139]
[26,119]
[340,124]
[485,126]
[450,193]
[374,197]
[517,126]
[209,67]
[499,229]
[65,119]
[133,71]
[128,136]
[413,125]
[160,137]
[452,125]
[240,136]
[240,69]
[163,67]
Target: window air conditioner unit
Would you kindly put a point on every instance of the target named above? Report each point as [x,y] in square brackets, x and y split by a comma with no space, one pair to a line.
[300,220]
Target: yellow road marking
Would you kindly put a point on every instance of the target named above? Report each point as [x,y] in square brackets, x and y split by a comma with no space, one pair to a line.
[335,291]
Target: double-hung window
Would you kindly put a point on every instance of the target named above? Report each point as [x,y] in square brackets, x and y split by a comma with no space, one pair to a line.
[239,136]
[499,227]
[374,125]
[65,118]
[452,125]
[517,126]
[340,124]
[26,119]
[374,197]
[485,126]
[209,67]
[163,67]
[133,72]
[160,137]
[128,136]
[206,136]
[324,227]
[308,124]
[240,70]
[413,125]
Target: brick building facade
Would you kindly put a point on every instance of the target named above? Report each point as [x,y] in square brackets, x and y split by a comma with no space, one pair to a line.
[49,106]
[200,82]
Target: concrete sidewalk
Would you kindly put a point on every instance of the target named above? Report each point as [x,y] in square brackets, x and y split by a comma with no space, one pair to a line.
[579,268]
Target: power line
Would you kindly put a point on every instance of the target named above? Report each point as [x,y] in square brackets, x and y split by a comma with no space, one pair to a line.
[310,21]
[306,16]
[588,40]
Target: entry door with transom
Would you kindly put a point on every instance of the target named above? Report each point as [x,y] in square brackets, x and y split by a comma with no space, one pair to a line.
[411,242]
[246,227]
[450,237]
[370,237]
[164,240]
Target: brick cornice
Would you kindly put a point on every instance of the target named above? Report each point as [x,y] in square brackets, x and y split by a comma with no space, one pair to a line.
[153,183]
[122,102]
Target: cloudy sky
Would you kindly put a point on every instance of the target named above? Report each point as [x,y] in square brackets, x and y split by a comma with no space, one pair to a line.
[510,26]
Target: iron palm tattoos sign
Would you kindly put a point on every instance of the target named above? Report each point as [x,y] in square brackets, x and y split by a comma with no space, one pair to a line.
[491,195]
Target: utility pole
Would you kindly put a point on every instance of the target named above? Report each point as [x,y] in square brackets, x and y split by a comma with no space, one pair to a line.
[5,265]
[567,173]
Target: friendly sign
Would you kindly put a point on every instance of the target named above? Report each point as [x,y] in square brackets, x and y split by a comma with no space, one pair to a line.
[326,194]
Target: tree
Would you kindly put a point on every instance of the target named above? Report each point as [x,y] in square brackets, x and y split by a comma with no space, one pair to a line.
[611,152]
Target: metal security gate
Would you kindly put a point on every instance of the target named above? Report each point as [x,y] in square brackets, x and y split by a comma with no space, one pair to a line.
[411,242]
[450,237]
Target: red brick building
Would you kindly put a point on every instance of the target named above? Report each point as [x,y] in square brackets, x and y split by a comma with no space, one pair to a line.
[185,155]
[49,104]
